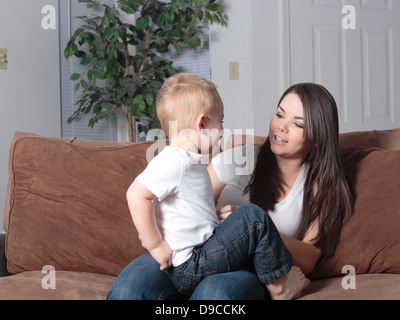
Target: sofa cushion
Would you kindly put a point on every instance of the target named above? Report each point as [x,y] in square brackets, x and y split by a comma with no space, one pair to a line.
[66,204]
[370,241]
[367,287]
[69,285]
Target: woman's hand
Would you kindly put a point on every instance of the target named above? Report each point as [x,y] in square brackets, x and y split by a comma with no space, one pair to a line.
[224,212]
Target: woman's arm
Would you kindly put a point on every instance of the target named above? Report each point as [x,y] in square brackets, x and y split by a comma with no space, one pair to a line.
[217,185]
[305,254]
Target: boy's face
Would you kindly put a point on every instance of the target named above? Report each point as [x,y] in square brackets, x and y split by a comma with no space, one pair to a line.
[213,128]
[216,121]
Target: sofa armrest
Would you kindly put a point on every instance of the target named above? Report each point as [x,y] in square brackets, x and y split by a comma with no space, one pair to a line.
[3,259]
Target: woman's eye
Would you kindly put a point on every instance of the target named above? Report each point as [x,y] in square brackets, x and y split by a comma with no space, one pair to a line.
[279,116]
[298,125]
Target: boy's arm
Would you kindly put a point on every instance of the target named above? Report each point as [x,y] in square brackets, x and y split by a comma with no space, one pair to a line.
[142,212]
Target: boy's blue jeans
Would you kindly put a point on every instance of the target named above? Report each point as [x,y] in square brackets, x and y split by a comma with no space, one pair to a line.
[248,235]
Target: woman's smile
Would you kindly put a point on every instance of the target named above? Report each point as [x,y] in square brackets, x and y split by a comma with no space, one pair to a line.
[280,140]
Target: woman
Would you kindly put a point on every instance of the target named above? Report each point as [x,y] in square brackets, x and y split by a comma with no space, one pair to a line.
[298,179]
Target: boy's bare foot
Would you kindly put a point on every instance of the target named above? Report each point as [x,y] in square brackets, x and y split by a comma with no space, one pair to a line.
[290,286]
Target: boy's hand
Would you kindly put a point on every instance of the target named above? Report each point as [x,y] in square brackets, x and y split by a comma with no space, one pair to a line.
[225,212]
[163,255]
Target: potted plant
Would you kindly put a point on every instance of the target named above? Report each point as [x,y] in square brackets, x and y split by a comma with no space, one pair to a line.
[116,79]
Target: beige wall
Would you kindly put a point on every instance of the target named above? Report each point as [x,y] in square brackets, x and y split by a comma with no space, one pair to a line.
[30,87]
[254,37]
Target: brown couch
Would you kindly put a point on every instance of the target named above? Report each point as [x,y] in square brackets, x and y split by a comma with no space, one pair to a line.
[66,208]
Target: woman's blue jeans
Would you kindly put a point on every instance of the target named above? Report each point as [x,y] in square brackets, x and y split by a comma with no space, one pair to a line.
[248,235]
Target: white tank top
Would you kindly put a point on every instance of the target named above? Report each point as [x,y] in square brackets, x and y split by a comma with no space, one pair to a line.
[234,168]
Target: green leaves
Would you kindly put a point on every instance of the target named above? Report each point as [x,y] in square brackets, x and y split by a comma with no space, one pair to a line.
[75,76]
[142,23]
[123,68]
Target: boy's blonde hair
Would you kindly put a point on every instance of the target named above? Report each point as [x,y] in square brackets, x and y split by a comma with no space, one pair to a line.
[183,97]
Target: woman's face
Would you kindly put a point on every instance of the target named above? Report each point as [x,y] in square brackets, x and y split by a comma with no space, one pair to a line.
[286,130]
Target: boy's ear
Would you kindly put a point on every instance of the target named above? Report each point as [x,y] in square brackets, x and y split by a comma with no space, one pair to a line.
[200,122]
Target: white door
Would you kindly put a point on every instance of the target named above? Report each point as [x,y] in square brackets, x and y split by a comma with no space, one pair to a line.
[360,67]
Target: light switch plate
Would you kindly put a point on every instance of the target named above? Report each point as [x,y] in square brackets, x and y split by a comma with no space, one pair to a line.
[3,58]
[234,71]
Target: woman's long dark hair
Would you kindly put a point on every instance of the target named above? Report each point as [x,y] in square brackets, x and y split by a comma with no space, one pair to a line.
[327,196]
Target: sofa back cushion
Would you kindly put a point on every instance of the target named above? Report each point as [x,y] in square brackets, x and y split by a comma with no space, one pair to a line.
[66,204]
[370,241]
[384,139]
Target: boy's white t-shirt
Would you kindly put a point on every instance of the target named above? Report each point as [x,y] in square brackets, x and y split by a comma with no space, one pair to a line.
[185,210]
[229,167]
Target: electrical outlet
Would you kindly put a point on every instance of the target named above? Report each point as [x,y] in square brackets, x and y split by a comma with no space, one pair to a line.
[234,71]
[3,58]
